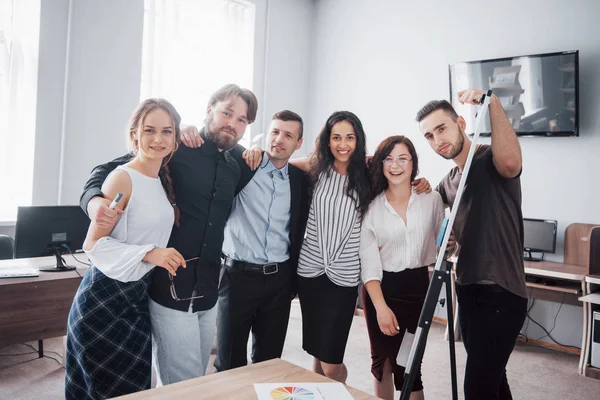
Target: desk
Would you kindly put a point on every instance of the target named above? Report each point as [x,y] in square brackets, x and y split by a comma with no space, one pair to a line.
[569,279]
[570,285]
[238,383]
[37,308]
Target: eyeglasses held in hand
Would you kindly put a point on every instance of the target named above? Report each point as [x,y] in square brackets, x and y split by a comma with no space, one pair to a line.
[172,286]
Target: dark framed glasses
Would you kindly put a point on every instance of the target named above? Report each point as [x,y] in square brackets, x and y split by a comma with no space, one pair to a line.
[174,292]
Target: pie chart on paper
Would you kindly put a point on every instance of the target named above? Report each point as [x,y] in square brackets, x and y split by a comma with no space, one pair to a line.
[292,393]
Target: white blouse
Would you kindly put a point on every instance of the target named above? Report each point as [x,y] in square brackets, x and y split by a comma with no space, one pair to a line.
[389,244]
[146,224]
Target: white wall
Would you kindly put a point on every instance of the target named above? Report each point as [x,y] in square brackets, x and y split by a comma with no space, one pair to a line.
[103,86]
[386,59]
[100,54]
[54,17]
[288,60]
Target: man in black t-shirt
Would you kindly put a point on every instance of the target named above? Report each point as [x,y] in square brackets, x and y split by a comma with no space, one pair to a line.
[489,228]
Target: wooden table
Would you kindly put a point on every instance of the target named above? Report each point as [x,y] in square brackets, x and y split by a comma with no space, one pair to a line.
[238,383]
[37,308]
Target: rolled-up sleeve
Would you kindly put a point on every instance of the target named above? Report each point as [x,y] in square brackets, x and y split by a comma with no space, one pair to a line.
[440,212]
[120,261]
[370,259]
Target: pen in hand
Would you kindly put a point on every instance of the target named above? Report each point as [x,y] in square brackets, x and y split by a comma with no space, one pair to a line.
[115,201]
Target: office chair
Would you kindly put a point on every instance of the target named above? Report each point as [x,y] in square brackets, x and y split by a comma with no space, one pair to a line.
[7,247]
[594,243]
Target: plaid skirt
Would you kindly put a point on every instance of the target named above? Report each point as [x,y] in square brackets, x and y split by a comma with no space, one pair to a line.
[108,338]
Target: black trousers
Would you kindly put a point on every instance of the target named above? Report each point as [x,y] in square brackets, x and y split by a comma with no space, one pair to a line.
[252,300]
[490,320]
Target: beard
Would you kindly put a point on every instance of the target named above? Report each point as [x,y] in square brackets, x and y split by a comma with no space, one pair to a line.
[219,135]
[456,148]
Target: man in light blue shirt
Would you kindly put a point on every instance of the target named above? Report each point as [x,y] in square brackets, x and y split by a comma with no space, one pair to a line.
[257,230]
[263,237]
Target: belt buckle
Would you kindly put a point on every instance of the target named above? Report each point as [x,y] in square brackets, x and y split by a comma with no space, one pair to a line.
[269,269]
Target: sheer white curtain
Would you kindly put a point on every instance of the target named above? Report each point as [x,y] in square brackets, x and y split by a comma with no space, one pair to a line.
[19,45]
[193,47]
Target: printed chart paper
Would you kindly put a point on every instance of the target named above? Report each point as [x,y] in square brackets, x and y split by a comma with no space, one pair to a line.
[302,391]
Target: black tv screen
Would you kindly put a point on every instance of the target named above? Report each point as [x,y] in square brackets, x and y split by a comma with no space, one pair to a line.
[539,93]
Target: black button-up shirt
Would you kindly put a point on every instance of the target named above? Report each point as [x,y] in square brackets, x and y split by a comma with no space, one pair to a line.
[204,181]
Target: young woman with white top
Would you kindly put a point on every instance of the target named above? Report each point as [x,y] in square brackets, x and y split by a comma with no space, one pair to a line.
[108,334]
[396,246]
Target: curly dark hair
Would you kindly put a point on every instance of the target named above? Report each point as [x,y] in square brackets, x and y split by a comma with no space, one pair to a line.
[358,176]
[380,182]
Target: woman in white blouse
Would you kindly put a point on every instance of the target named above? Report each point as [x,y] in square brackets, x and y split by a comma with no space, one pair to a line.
[108,333]
[396,246]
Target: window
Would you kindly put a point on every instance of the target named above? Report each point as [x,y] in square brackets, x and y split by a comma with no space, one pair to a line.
[19,44]
[191,48]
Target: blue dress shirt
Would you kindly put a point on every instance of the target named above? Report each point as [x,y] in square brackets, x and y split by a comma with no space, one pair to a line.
[258,228]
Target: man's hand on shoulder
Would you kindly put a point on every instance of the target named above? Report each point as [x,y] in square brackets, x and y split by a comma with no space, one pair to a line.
[190,136]
[421,185]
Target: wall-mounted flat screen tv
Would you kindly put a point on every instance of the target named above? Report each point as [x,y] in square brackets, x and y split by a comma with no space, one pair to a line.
[539,93]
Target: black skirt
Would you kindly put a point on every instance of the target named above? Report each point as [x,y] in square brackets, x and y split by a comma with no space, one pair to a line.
[327,313]
[108,338]
[404,293]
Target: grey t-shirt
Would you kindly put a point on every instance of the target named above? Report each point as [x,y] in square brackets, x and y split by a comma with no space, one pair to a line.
[488,225]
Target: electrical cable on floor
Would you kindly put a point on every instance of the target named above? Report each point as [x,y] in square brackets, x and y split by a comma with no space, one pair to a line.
[554,325]
[35,351]
[550,336]
[45,351]
[529,307]
[17,354]
[45,356]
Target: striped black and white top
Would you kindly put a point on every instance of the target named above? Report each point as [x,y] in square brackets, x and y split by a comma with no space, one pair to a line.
[332,241]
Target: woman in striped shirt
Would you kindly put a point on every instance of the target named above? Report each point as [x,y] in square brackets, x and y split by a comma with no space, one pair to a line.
[329,265]
[397,244]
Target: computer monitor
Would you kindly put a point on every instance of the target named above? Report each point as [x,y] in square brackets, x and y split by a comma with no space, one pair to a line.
[539,237]
[50,230]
